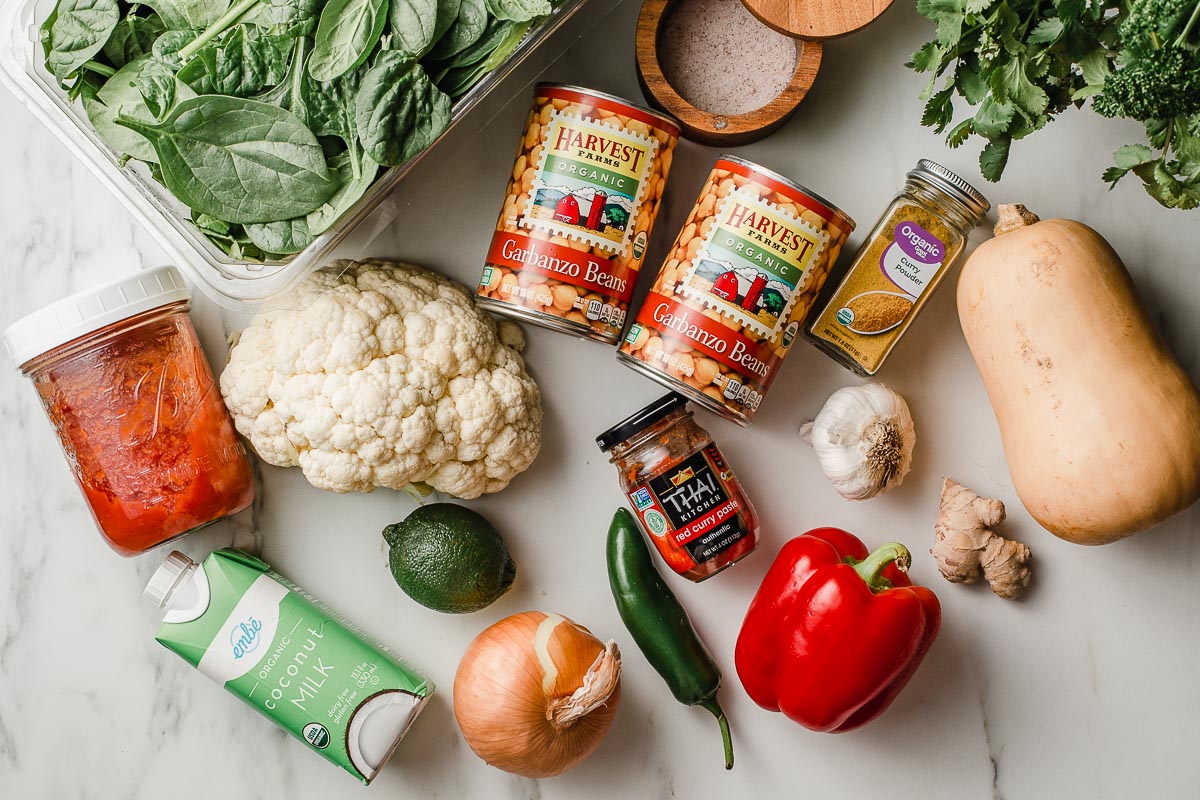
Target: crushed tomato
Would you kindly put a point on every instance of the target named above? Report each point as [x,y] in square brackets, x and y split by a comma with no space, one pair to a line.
[145,429]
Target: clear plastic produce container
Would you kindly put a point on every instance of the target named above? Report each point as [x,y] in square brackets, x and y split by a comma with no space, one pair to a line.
[228,281]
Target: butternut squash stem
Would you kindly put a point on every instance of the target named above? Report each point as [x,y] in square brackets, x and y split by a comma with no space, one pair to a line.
[1012,217]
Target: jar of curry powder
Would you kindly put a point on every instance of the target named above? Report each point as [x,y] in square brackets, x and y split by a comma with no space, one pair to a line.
[684,494]
[907,254]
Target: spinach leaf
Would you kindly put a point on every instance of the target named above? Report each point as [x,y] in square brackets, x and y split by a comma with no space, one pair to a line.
[240,63]
[385,107]
[158,91]
[495,33]
[122,96]
[447,13]
[468,26]
[291,17]
[357,173]
[518,10]
[413,26]
[212,225]
[399,111]
[332,106]
[240,160]
[280,238]
[75,32]
[346,34]
[133,38]
[433,112]
[188,14]
[457,81]
[166,47]
[288,94]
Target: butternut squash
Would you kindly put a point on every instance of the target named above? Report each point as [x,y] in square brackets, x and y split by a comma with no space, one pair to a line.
[1100,424]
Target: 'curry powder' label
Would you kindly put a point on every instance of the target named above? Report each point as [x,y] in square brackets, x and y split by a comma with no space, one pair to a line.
[889,279]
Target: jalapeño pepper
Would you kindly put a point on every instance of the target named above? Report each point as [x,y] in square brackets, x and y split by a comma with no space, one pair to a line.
[660,626]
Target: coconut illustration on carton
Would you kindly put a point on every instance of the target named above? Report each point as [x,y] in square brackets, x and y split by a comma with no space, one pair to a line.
[289,656]
[377,726]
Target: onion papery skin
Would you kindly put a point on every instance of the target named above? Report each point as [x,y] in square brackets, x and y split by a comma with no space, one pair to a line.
[503,708]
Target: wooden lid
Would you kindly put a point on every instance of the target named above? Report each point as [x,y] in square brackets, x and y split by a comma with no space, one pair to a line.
[817,19]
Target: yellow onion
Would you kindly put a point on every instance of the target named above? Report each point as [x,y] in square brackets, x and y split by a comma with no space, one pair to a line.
[536,693]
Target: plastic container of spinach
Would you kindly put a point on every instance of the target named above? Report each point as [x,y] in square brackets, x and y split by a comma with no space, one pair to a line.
[252,136]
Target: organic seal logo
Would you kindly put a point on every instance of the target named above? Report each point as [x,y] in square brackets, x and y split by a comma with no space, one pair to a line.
[317,735]
[245,637]
[845,316]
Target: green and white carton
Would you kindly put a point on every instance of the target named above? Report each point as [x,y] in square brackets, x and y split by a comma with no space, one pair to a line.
[288,655]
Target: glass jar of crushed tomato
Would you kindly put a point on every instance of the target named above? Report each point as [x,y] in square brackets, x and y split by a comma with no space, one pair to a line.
[123,380]
[685,496]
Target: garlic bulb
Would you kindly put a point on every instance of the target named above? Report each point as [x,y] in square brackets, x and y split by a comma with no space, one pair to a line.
[863,438]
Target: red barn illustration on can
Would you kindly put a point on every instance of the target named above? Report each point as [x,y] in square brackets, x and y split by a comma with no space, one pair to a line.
[567,210]
[726,286]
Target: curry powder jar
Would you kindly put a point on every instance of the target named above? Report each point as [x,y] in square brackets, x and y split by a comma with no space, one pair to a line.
[911,249]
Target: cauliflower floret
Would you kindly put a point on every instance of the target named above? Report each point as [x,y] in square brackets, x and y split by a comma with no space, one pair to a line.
[382,374]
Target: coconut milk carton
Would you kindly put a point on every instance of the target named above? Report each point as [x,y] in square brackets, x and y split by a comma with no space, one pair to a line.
[286,654]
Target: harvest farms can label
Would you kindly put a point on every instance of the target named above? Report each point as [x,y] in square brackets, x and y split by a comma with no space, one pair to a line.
[581,202]
[735,289]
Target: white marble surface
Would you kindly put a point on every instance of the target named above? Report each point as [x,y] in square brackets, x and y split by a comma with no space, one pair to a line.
[1088,688]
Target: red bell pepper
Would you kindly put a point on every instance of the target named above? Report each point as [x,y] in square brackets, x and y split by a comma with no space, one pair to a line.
[834,633]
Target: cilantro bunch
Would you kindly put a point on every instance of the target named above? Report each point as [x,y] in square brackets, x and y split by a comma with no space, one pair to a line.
[1018,63]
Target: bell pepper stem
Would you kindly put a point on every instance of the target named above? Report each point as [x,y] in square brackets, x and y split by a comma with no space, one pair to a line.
[871,568]
[714,708]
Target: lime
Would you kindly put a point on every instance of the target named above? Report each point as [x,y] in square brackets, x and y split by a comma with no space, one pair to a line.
[450,559]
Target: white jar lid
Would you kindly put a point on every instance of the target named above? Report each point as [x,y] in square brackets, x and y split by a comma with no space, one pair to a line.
[167,577]
[91,310]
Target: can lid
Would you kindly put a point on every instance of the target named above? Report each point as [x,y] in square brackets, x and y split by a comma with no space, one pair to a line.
[90,310]
[167,577]
[848,222]
[641,419]
[951,184]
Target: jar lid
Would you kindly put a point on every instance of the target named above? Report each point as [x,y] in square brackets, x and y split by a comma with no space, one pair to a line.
[642,419]
[949,183]
[166,578]
[91,310]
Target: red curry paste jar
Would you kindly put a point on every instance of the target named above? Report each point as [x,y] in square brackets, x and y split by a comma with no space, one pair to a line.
[123,380]
[683,493]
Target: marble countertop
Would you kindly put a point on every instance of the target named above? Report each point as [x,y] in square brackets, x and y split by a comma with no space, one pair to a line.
[1087,688]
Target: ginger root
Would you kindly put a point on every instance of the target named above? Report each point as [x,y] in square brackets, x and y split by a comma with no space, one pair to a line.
[967,547]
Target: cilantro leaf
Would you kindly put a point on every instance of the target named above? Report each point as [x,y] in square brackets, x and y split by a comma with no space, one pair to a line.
[1009,83]
[993,117]
[994,158]
[939,111]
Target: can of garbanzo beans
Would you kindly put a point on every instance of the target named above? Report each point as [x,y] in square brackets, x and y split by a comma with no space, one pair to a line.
[581,200]
[736,287]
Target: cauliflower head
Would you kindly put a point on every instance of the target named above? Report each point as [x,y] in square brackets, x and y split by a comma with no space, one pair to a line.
[383,374]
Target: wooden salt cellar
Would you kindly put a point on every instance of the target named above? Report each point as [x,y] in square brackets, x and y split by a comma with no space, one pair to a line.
[703,126]
[808,21]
